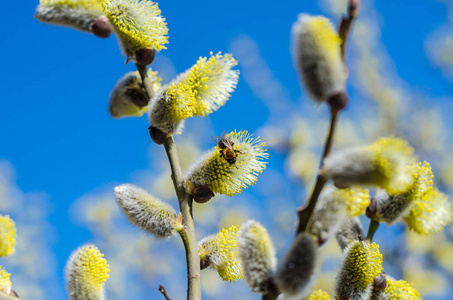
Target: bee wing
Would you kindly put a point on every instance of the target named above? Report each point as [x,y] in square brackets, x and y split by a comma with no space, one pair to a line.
[216,140]
[224,135]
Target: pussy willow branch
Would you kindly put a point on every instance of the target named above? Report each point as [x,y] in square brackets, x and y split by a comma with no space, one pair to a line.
[164,292]
[305,213]
[185,205]
[188,233]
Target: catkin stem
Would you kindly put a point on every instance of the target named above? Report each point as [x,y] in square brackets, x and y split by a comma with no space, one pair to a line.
[188,233]
[372,229]
[146,85]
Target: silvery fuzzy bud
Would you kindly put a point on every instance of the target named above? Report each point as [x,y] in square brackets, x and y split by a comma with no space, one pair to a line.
[257,255]
[146,211]
[316,51]
[127,98]
[80,15]
[295,274]
[385,164]
[349,232]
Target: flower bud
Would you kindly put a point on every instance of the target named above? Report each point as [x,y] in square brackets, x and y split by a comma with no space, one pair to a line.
[127,98]
[138,26]
[202,194]
[7,236]
[380,282]
[257,255]
[317,55]
[225,177]
[80,15]
[101,27]
[361,264]
[157,136]
[220,253]
[383,163]
[86,272]
[144,57]
[146,211]
[295,274]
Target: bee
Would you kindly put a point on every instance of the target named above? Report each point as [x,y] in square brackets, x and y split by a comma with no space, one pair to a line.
[226,147]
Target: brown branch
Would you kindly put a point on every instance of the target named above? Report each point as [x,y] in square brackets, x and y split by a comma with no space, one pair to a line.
[345,24]
[305,213]
[164,292]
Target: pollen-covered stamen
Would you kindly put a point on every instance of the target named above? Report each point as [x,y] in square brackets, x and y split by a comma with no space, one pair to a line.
[361,264]
[5,282]
[223,177]
[138,25]
[220,253]
[7,236]
[211,80]
[86,272]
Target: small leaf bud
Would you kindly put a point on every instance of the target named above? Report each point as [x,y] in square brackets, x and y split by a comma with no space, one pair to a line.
[144,56]
[101,27]
[158,136]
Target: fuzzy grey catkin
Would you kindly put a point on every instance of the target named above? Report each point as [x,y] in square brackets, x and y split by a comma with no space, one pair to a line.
[295,274]
[257,255]
[349,232]
[316,51]
[146,211]
[392,208]
[79,17]
[327,216]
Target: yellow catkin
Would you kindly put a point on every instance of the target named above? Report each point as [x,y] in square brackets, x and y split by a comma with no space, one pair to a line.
[366,262]
[138,24]
[5,282]
[318,295]
[7,236]
[325,37]
[220,250]
[355,199]
[88,4]
[400,289]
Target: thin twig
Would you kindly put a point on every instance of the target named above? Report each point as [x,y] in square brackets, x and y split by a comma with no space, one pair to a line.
[164,292]
[188,233]
[305,213]
[372,229]
[146,84]
[185,205]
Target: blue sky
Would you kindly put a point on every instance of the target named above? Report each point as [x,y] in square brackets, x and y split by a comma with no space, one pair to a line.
[54,124]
